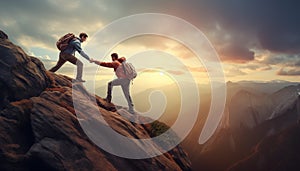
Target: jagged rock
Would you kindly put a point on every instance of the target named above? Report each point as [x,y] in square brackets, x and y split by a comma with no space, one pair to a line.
[278,152]
[21,76]
[249,109]
[40,128]
[249,118]
[3,35]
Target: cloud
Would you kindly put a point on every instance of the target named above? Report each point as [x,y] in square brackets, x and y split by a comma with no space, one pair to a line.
[289,72]
[176,72]
[266,68]
[255,66]
[40,23]
[233,72]
[197,69]
[148,42]
[41,57]
[284,60]
[297,63]
[236,53]
[233,27]
[273,25]
[246,25]
[161,70]
[150,70]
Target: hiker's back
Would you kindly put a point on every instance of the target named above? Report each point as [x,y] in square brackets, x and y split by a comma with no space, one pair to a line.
[129,70]
[71,47]
[126,69]
[120,71]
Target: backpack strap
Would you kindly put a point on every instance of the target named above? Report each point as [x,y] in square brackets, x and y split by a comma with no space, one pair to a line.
[124,68]
[125,72]
[131,80]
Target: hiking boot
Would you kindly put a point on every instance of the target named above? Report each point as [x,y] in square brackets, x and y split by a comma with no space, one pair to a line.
[108,99]
[131,111]
[79,80]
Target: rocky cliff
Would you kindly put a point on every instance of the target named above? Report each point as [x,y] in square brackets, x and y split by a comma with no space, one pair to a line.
[277,152]
[250,118]
[40,130]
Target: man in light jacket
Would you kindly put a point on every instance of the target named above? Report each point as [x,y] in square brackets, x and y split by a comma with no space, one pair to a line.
[69,55]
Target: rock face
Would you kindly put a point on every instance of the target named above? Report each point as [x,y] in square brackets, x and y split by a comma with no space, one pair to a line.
[40,129]
[21,76]
[3,35]
[251,117]
[248,109]
[277,152]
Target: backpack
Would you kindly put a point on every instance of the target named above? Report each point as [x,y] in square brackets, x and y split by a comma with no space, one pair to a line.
[129,70]
[64,41]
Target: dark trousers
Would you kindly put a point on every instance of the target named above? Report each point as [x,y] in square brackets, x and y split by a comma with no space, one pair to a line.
[63,58]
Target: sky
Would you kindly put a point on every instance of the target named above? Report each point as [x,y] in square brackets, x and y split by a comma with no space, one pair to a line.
[255,40]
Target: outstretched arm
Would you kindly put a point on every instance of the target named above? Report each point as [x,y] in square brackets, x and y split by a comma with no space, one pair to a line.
[95,61]
[83,54]
[77,46]
[105,64]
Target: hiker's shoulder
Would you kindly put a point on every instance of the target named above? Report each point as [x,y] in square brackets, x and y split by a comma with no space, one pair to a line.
[122,59]
[76,40]
[116,62]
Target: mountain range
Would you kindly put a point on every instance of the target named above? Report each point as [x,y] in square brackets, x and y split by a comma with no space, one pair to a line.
[251,117]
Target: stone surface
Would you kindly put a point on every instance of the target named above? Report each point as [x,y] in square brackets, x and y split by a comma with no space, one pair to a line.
[40,128]
[21,76]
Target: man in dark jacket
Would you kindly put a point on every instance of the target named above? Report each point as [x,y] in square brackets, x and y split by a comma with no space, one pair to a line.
[69,55]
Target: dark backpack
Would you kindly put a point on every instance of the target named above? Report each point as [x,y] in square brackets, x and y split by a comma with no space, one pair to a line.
[64,41]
